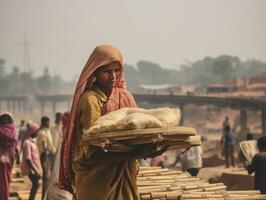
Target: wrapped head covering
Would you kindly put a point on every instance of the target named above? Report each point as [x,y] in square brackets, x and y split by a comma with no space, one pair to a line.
[31,128]
[8,134]
[119,98]
[65,121]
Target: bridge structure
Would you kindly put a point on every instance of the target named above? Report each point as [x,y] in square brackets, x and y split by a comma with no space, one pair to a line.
[243,104]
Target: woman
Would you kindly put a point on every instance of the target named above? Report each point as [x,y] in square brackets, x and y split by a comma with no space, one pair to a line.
[97,174]
[8,144]
[31,164]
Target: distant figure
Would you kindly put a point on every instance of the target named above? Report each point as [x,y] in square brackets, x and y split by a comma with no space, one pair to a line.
[8,144]
[228,140]
[21,134]
[258,165]
[22,130]
[53,190]
[191,160]
[56,133]
[225,123]
[46,149]
[31,164]
[56,130]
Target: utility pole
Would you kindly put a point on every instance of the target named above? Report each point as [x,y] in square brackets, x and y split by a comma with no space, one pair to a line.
[26,55]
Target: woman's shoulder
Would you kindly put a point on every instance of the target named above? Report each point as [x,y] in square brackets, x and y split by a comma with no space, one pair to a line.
[89,94]
[90,97]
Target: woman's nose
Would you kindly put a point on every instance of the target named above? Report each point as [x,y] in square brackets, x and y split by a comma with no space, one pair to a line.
[113,74]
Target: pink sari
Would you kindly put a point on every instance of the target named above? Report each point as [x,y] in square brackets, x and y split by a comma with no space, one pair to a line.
[7,149]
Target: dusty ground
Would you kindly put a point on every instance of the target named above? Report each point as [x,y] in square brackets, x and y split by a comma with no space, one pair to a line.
[209,119]
[208,122]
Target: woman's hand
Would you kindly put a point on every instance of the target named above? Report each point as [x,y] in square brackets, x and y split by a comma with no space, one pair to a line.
[150,150]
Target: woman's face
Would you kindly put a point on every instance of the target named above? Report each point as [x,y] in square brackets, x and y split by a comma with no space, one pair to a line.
[106,76]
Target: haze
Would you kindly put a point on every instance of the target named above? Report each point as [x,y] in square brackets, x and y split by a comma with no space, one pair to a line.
[62,33]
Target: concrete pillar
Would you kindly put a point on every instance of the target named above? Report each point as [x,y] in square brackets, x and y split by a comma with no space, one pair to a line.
[181,122]
[243,122]
[263,122]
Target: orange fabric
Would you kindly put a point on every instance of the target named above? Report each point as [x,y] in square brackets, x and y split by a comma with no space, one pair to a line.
[119,98]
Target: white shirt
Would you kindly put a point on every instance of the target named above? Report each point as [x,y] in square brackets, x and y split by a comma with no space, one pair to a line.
[192,158]
[44,141]
[56,132]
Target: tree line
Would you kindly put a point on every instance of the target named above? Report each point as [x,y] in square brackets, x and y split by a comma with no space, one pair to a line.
[17,82]
[200,73]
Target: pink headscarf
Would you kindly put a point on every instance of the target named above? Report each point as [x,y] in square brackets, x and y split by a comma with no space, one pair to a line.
[8,136]
[31,128]
[119,98]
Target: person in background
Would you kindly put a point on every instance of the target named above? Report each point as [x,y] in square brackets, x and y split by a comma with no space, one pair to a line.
[53,190]
[56,130]
[8,144]
[191,160]
[21,133]
[31,164]
[46,149]
[225,123]
[228,140]
[56,133]
[258,165]
[22,130]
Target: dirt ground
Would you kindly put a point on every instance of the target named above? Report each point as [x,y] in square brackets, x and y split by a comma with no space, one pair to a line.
[207,120]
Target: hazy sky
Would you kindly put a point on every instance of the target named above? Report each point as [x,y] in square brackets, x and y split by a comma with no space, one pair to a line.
[62,33]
